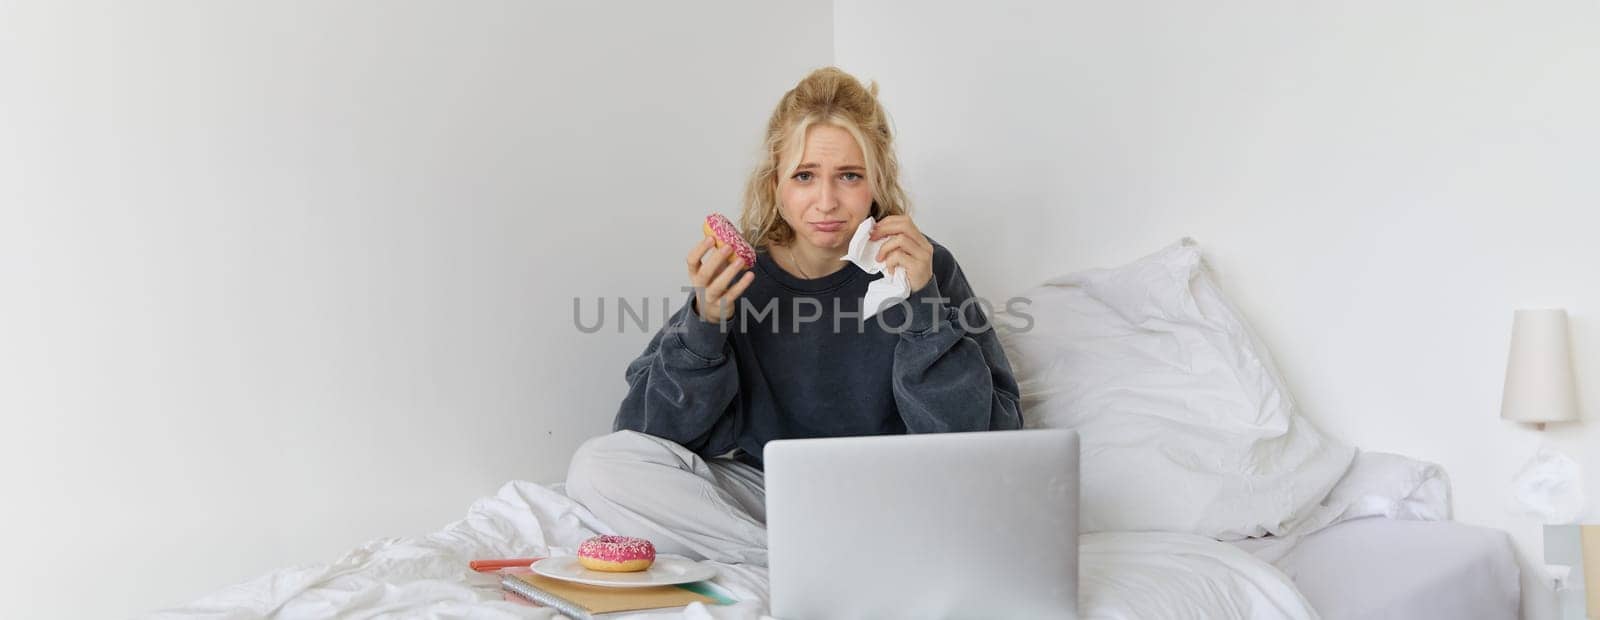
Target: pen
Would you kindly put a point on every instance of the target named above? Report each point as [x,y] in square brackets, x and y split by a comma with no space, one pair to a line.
[484,566]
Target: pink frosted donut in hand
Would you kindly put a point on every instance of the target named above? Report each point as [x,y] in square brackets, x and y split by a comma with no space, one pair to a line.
[616,554]
[726,234]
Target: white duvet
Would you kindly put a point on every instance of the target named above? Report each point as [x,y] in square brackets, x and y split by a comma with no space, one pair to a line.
[1145,575]
[1122,575]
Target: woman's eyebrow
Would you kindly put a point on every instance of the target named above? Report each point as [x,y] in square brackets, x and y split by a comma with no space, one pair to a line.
[810,165]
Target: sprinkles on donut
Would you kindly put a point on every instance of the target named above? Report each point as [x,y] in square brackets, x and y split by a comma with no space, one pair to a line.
[720,228]
[616,554]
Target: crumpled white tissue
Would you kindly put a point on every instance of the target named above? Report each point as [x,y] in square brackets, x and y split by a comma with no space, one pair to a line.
[1550,487]
[882,292]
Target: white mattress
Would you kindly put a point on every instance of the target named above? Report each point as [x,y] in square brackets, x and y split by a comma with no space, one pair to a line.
[1384,568]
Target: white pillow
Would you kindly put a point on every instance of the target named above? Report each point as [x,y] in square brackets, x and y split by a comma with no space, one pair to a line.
[1185,424]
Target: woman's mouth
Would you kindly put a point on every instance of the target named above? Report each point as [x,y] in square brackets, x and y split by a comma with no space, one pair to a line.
[834,226]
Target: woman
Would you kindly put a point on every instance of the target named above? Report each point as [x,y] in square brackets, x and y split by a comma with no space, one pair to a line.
[781,351]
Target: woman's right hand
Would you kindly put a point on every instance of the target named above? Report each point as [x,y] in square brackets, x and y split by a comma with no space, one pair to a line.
[714,299]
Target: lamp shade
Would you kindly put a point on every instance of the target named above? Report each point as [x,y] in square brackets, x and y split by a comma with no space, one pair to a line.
[1539,384]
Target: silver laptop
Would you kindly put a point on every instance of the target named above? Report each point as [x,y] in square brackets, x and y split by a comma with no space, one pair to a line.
[945,525]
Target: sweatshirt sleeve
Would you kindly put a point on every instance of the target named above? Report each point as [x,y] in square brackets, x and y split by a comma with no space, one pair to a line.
[685,386]
[950,374]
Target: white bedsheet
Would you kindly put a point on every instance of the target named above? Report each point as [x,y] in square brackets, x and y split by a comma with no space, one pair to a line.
[1123,575]
[1384,568]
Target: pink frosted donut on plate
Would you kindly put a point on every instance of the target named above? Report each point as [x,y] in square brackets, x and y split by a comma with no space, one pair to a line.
[616,554]
[719,228]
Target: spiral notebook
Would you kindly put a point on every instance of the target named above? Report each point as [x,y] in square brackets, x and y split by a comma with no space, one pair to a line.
[581,601]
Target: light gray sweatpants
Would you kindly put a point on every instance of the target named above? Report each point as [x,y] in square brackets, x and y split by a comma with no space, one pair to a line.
[643,485]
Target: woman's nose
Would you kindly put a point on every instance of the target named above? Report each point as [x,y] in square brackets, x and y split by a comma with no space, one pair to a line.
[825,199]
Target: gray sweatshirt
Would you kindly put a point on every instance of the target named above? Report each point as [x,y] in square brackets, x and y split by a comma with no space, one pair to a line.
[773,372]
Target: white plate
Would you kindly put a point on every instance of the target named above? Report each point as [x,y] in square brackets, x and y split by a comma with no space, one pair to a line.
[665,572]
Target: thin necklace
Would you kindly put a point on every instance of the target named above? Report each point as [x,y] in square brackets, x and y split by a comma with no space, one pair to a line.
[796,262]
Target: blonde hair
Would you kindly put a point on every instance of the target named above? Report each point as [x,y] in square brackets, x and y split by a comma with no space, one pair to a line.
[827,96]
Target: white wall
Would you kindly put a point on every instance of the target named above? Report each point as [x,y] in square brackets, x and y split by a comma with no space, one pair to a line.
[1378,184]
[277,278]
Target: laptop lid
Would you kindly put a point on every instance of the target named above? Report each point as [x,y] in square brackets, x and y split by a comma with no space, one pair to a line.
[941,525]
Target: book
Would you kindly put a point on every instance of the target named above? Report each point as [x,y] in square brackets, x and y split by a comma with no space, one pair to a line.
[582,601]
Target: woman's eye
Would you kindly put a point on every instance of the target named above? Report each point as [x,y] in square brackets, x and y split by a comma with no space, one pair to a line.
[801,176]
[851,176]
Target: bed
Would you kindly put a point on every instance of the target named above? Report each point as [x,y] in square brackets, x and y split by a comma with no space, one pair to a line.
[1372,567]
[1189,437]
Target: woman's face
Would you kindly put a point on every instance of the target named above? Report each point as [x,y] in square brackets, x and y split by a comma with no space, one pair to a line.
[828,195]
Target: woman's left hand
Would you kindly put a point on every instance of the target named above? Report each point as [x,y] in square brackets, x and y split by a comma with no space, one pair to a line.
[906,248]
